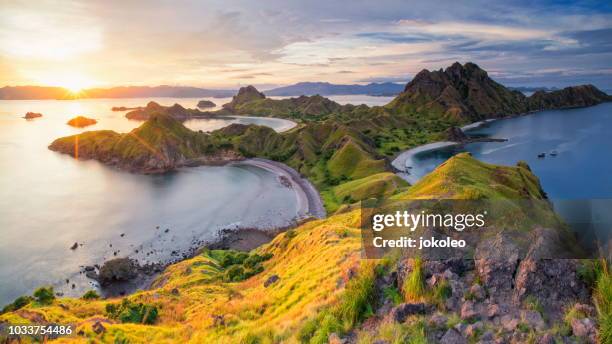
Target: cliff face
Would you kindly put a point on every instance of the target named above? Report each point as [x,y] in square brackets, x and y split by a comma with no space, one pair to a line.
[466,93]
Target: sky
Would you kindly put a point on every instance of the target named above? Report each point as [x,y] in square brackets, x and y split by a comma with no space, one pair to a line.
[226,44]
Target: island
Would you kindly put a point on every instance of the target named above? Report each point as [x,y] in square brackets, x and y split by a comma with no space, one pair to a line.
[32,115]
[175,111]
[204,104]
[81,122]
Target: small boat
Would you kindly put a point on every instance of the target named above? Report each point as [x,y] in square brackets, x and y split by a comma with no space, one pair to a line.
[541,155]
[553,153]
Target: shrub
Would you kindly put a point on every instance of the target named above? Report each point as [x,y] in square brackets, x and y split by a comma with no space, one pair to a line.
[532,303]
[131,312]
[358,298]
[44,295]
[442,291]
[90,295]
[19,302]
[414,284]
[253,260]
[393,294]
[602,297]
[355,304]
[234,273]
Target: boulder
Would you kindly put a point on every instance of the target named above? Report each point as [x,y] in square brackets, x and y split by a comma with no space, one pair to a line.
[400,313]
[584,328]
[271,280]
[533,319]
[118,270]
[468,310]
[452,337]
[509,322]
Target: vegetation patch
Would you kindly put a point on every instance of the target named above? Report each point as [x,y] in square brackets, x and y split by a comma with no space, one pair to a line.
[132,312]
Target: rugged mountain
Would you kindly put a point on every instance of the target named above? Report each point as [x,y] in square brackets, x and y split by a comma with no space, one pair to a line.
[460,92]
[175,111]
[245,95]
[160,144]
[465,93]
[327,89]
[249,101]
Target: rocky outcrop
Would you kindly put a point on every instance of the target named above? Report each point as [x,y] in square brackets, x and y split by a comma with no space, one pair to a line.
[245,95]
[81,122]
[118,270]
[554,281]
[466,93]
[455,134]
[205,104]
[32,115]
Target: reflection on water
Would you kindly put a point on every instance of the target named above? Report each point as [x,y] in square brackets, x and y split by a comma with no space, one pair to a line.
[48,201]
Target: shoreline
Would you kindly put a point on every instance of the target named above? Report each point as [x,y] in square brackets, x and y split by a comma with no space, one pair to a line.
[400,163]
[309,199]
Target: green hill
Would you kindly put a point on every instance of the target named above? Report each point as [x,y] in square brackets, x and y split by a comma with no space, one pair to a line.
[305,284]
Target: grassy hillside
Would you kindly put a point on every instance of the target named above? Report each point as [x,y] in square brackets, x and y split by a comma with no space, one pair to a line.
[305,284]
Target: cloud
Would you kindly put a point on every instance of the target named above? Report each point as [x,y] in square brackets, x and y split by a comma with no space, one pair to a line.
[215,43]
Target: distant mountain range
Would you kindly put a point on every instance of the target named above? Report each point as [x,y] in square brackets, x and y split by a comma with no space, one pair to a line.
[43,92]
[298,89]
[302,88]
[327,89]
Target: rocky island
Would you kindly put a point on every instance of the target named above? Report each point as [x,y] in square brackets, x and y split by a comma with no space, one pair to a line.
[81,122]
[205,104]
[32,115]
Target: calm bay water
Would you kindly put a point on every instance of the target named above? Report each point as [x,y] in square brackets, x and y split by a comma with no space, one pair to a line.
[578,179]
[48,201]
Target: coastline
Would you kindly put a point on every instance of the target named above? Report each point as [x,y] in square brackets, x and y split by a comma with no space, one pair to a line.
[309,200]
[406,158]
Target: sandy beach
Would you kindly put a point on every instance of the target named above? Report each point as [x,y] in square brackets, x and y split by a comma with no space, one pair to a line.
[309,200]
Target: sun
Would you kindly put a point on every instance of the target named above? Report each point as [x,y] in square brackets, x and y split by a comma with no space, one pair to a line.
[75,84]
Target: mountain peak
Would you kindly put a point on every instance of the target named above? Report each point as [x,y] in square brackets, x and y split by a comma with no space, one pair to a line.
[466,93]
[244,95]
[460,92]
